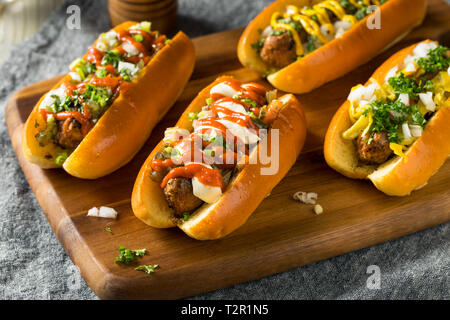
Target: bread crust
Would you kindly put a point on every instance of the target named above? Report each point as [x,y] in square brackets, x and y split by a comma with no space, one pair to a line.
[128,122]
[245,191]
[331,61]
[398,176]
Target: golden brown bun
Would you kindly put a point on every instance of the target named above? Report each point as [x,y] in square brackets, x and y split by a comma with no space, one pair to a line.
[398,176]
[355,47]
[128,122]
[245,191]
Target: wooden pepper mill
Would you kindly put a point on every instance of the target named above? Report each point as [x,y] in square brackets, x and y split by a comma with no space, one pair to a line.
[161,13]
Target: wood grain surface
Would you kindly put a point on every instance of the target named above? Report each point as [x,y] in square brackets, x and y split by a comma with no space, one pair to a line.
[280,235]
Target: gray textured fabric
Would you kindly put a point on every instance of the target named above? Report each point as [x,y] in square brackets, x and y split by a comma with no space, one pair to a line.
[33,265]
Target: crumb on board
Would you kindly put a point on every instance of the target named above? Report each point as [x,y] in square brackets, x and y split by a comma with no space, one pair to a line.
[309,198]
[318,209]
[305,197]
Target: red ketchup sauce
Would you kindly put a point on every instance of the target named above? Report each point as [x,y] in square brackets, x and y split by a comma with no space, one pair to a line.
[207,176]
[191,146]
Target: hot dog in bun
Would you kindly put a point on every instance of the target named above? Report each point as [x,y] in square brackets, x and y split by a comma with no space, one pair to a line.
[395,130]
[100,114]
[207,176]
[300,44]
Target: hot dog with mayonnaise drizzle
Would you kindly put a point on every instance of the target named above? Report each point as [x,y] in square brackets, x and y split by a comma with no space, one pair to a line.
[198,177]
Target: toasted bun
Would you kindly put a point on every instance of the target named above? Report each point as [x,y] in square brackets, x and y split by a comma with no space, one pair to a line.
[339,56]
[245,191]
[128,122]
[398,176]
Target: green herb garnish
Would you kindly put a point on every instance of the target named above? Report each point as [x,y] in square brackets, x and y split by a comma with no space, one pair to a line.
[437,60]
[138,37]
[311,43]
[249,101]
[61,158]
[147,269]
[411,86]
[258,45]
[278,32]
[388,116]
[101,73]
[258,121]
[112,57]
[126,74]
[127,256]
[192,116]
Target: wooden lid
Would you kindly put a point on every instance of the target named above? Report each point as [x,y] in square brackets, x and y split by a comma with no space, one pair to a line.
[162,13]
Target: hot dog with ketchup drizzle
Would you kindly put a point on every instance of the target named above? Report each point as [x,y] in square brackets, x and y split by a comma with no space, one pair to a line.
[94,82]
[232,116]
[228,150]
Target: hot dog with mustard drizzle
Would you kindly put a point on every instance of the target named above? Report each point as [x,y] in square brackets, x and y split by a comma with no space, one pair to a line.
[100,114]
[394,130]
[205,175]
[300,45]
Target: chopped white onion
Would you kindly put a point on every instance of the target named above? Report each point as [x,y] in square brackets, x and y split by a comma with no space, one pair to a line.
[93,212]
[128,47]
[49,100]
[346,25]
[427,100]
[209,194]
[106,212]
[341,27]
[406,131]
[404,98]
[111,38]
[416,130]
[410,67]
[126,65]
[324,30]
[363,93]
[75,76]
[391,73]
[339,33]
[266,32]
[409,58]
[100,45]
[395,114]
[422,49]
[103,212]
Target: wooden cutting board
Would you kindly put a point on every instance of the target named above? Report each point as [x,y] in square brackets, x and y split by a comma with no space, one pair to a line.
[280,235]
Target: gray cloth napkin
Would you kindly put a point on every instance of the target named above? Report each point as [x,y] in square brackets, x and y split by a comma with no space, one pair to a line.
[33,264]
